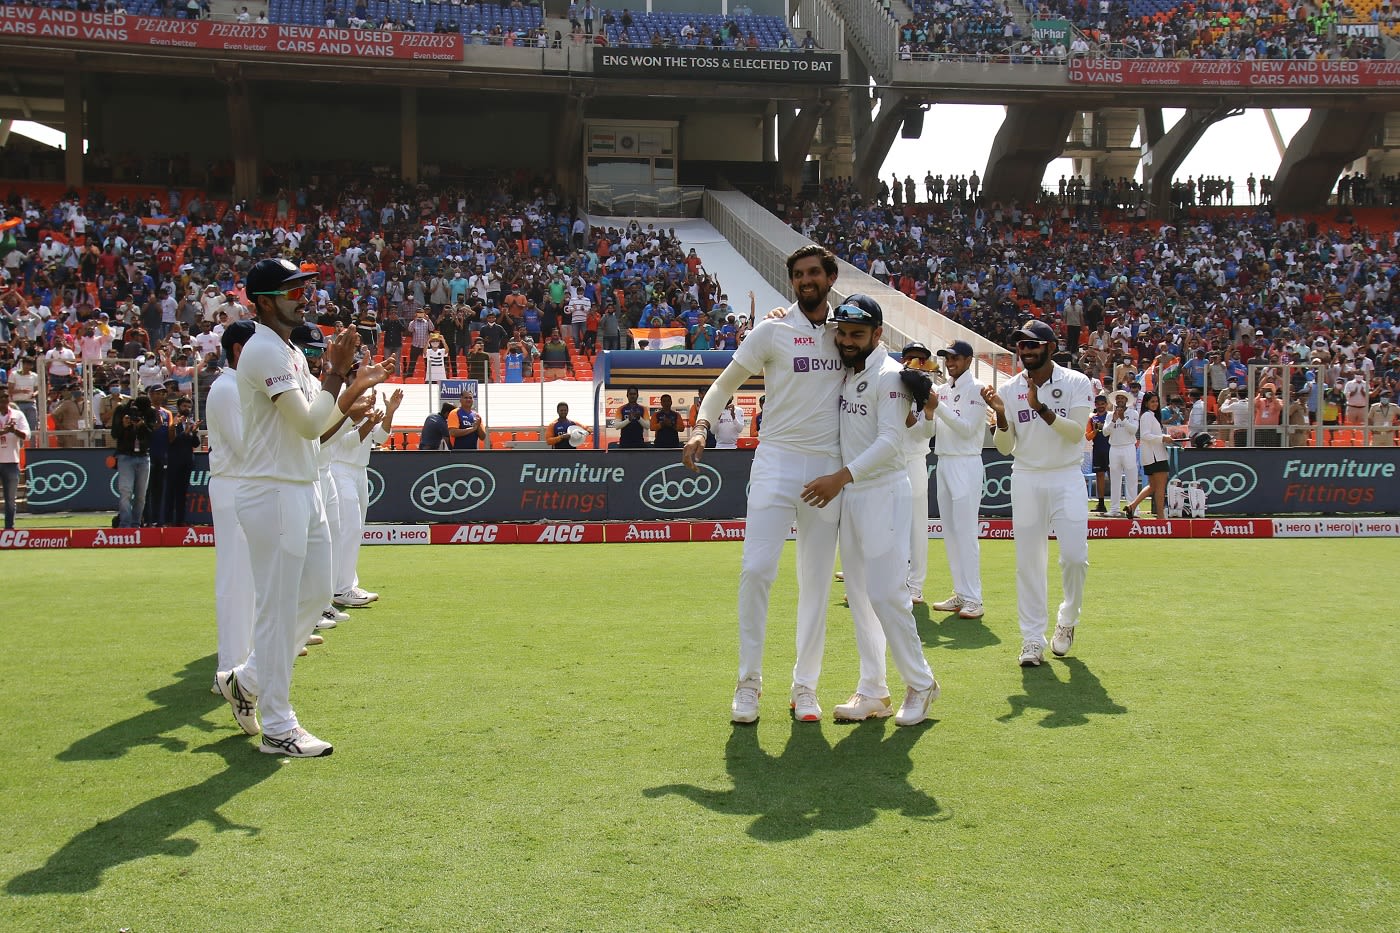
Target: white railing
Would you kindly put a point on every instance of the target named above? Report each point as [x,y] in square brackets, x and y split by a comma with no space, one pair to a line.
[874,31]
[765,242]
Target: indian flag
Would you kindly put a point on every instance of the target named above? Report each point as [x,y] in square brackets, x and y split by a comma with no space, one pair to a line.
[660,338]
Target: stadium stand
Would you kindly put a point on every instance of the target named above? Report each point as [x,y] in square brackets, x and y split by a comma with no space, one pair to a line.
[695,30]
[1311,297]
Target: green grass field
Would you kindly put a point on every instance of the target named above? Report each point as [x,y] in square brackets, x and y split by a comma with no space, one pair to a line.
[531,738]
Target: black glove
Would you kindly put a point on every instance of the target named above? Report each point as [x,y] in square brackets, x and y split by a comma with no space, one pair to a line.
[918,384]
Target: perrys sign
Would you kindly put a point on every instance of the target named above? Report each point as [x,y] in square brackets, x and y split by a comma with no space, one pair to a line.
[227,37]
[1286,75]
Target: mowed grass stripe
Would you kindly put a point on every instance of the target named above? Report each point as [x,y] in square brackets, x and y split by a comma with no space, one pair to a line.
[537,738]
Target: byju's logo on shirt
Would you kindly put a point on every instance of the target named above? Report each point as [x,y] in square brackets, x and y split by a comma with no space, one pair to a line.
[285,378]
[814,364]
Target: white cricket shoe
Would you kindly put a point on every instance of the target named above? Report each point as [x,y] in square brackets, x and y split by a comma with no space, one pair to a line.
[314,639]
[1064,638]
[244,704]
[861,707]
[805,707]
[330,612]
[914,710]
[364,594]
[351,600]
[329,619]
[916,596]
[951,604]
[295,744]
[971,610]
[745,705]
[1032,653]
[840,576]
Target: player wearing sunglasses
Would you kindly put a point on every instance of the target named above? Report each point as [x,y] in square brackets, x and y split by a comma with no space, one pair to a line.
[1041,415]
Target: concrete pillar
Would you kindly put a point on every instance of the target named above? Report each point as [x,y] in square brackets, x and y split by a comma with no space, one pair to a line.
[73,129]
[5,127]
[1031,136]
[770,132]
[796,142]
[1164,156]
[1326,143]
[568,148]
[872,146]
[408,134]
[243,135]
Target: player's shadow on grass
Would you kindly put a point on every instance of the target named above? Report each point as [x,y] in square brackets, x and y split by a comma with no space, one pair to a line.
[183,703]
[813,785]
[1067,702]
[951,631]
[153,827]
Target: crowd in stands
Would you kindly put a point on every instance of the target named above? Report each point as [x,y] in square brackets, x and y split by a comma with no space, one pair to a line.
[983,27]
[500,273]
[739,30]
[1216,291]
[1215,29]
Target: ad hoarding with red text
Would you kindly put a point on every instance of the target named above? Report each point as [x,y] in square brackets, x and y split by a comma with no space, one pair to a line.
[1281,75]
[72,26]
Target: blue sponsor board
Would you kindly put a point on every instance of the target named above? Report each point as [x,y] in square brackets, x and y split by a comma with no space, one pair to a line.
[585,485]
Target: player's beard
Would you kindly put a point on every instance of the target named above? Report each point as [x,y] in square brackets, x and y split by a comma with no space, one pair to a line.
[856,362]
[289,312]
[808,304]
[1035,360]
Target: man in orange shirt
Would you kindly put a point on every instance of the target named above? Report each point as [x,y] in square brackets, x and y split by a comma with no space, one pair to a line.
[1268,415]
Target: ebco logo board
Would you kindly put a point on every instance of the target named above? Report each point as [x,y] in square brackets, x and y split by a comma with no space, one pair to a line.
[674,489]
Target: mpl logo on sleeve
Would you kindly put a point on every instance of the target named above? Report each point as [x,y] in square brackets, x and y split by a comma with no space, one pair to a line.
[673,489]
[52,482]
[1224,481]
[452,490]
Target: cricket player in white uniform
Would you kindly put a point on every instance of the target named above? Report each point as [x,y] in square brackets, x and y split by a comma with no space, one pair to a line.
[279,501]
[960,417]
[916,450]
[876,513]
[233,592]
[802,374]
[350,469]
[1041,415]
[1121,426]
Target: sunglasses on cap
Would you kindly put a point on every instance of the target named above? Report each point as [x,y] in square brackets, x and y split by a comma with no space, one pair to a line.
[295,292]
[313,353]
[852,314]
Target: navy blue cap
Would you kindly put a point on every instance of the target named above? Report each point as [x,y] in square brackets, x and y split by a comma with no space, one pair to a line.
[858,309]
[1037,330]
[916,347]
[308,337]
[957,348]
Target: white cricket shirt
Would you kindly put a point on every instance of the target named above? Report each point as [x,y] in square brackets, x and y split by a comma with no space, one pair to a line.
[961,417]
[274,450]
[223,410]
[874,404]
[9,443]
[1038,446]
[802,376]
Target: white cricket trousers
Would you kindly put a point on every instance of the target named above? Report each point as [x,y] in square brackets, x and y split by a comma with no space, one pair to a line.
[874,555]
[1122,469]
[330,501]
[775,503]
[233,577]
[960,483]
[917,468]
[1042,502]
[289,547]
[352,493]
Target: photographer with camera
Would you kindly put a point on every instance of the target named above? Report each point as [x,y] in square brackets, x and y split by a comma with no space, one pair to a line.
[132,425]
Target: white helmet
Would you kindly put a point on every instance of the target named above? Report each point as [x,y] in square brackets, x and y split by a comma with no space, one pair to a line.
[578,436]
